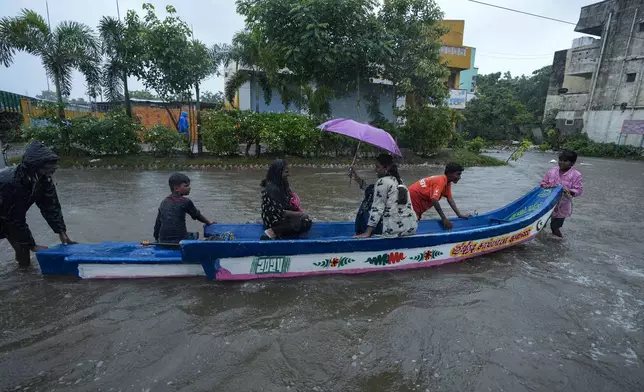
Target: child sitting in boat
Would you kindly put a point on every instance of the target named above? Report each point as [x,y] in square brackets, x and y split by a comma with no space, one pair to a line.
[565,175]
[170,226]
[391,203]
[427,192]
[281,210]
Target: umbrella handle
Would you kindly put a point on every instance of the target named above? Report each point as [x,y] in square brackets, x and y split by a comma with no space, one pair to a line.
[354,158]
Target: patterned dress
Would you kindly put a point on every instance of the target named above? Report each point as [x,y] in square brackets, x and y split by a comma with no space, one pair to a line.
[397,219]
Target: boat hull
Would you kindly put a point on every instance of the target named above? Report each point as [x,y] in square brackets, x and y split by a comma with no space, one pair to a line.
[329,248]
[247,268]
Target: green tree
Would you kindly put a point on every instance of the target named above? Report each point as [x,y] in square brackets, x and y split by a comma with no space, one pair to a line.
[47,95]
[69,46]
[162,67]
[216,98]
[78,101]
[142,94]
[252,54]
[414,66]
[496,114]
[201,62]
[332,44]
[123,49]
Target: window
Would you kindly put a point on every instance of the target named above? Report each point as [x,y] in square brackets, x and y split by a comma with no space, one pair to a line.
[458,51]
[570,122]
[630,77]
[641,25]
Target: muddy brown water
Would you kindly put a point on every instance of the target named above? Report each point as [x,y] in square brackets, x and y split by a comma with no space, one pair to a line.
[548,315]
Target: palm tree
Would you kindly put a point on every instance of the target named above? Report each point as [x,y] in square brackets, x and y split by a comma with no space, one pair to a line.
[70,46]
[115,70]
[250,52]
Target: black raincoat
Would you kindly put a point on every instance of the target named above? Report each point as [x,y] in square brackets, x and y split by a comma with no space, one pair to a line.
[22,186]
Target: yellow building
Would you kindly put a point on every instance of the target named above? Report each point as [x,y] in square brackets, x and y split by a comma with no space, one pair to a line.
[456,56]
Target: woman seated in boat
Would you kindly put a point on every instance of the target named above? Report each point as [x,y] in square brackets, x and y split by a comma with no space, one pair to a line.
[391,203]
[362,217]
[281,211]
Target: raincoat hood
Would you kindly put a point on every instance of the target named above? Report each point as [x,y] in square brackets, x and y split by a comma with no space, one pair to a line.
[184,114]
[38,155]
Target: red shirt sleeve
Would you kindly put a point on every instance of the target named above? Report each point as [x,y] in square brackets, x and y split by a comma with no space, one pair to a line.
[436,187]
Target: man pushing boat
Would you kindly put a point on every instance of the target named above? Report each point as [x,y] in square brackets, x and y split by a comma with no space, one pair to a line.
[28,183]
[427,192]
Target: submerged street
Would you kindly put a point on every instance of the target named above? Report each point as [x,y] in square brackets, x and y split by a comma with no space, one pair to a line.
[549,315]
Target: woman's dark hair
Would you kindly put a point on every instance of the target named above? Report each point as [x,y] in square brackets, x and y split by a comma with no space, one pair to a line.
[177,179]
[387,161]
[453,168]
[568,155]
[274,178]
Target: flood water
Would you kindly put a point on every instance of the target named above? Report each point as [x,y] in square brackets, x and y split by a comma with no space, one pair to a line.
[549,315]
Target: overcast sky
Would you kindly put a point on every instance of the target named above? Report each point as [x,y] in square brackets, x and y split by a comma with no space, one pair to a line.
[505,41]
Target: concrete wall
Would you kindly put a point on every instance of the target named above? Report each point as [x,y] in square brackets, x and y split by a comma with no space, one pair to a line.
[620,58]
[583,60]
[606,125]
[343,106]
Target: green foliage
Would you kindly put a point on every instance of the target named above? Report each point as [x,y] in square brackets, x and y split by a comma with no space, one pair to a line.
[543,147]
[67,47]
[506,106]
[475,145]
[583,145]
[428,129]
[163,139]
[413,63]
[554,139]
[116,134]
[219,132]
[289,133]
[49,135]
[520,150]
[164,44]
[142,94]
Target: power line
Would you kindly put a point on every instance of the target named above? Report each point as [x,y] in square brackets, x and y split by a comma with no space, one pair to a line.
[523,12]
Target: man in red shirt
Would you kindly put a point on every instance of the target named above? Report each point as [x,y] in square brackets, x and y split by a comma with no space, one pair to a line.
[427,192]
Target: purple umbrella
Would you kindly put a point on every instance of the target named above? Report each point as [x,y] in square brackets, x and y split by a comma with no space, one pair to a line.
[363,132]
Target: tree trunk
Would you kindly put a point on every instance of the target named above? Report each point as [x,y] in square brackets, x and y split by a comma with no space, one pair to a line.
[126,96]
[61,114]
[248,145]
[358,99]
[198,108]
[258,148]
[394,103]
[256,93]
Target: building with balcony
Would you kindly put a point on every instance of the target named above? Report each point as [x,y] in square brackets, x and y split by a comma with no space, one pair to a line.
[596,85]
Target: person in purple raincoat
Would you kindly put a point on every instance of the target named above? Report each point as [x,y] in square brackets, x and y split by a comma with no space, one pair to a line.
[568,177]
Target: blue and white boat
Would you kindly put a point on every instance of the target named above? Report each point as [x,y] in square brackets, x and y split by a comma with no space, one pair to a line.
[327,249]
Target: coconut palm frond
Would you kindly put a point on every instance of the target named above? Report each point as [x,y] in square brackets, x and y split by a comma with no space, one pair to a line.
[112,82]
[233,84]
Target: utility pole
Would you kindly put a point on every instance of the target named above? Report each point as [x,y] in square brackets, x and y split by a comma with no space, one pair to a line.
[48,25]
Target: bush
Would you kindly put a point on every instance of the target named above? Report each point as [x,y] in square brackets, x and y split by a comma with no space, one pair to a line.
[48,135]
[289,133]
[583,145]
[475,145]
[543,147]
[218,130]
[163,139]
[116,134]
[428,129]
